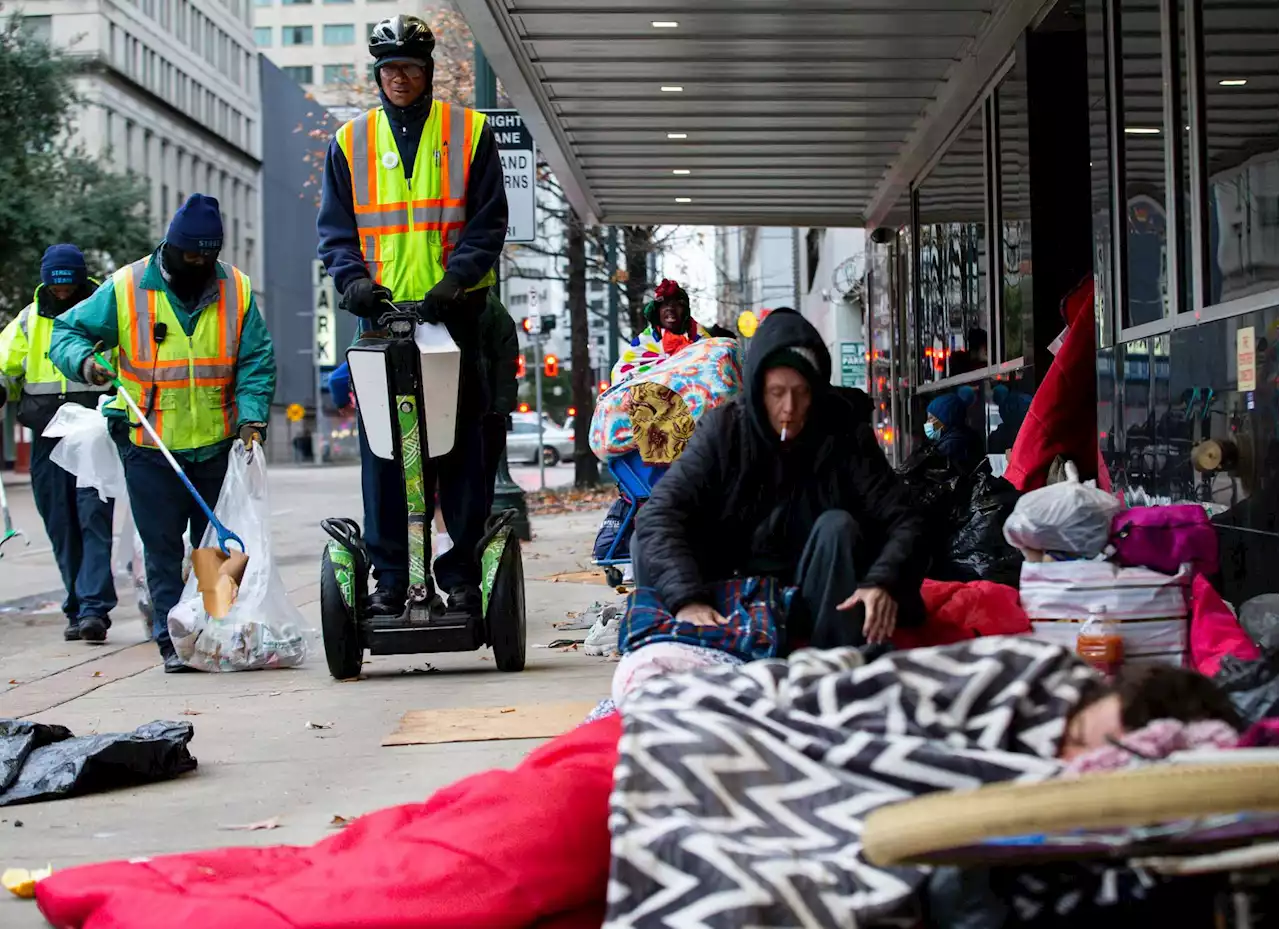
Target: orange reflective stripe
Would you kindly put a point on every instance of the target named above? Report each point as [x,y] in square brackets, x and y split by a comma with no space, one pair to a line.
[371,154]
[445,154]
[468,124]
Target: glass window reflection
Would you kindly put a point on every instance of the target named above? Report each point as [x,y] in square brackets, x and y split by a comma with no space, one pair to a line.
[952,290]
[1015,218]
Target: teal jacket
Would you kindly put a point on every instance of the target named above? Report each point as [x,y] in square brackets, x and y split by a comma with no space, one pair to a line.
[76,332]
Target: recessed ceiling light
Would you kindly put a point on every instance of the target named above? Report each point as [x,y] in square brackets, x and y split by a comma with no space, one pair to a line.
[684,199]
[1233,82]
[677,135]
[679,170]
[1141,130]
[671,89]
[665,24]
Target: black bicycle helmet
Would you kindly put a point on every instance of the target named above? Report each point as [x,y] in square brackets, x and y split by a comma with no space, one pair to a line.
[402,38]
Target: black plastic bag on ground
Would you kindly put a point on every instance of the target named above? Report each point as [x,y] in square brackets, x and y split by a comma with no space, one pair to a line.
[609,530]
[931,481]
[42,762]
[976,549]
[1252,686]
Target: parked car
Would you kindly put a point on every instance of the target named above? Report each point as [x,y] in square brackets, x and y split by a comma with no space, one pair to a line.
[522,441]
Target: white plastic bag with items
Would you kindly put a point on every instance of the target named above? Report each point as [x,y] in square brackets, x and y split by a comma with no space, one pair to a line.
[86,449]
[262,629]
[1067,517]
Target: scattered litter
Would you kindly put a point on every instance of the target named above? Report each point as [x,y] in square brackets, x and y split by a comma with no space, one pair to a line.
[190,712]
[339,822]
[17,824]
[565,643]
[22,883]
[272,823]
[97,674]
[311,725]
[274,693]
[424,669]
[510,709]
[14,681]
[487,658]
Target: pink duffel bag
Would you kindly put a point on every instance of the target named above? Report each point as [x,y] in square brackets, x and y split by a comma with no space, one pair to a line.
[1163,538]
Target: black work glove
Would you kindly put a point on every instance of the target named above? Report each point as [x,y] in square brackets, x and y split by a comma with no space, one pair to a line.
[443,300]
[365,299]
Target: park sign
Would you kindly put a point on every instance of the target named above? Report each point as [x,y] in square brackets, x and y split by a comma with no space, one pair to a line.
[519,173]
[324,301]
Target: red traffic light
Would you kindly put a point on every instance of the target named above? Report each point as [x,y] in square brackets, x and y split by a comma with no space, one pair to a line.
[603,386]
[528,324]
[573,411]
[523,408]
[520,366]
[551,366]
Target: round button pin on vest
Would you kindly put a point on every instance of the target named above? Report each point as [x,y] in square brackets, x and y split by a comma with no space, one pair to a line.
[390,160]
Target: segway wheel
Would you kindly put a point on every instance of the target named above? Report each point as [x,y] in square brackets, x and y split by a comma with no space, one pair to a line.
[613,576]
[506,617]
[342,647]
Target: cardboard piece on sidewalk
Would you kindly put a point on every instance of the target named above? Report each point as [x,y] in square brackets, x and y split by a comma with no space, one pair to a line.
[489,723]
[218,578]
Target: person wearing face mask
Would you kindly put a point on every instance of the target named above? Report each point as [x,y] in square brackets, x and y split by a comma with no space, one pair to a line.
[778,483]
[77,522]
[196,358]
[414,209]
[947,428]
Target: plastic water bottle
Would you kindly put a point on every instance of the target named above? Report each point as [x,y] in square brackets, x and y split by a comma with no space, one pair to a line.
[1099,642]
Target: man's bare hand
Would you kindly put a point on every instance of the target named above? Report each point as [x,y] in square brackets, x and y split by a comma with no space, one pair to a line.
[881,613]
[699,614]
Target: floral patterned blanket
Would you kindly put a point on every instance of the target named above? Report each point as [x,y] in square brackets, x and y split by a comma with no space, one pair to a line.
[656,411]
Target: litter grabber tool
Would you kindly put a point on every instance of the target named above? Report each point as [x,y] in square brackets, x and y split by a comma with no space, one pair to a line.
[218,571]
[9,531]
[405,375]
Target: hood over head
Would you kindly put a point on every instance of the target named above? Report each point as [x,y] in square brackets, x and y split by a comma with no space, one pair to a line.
[784,339]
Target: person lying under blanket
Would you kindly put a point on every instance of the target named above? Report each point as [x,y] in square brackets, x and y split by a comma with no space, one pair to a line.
[803,749]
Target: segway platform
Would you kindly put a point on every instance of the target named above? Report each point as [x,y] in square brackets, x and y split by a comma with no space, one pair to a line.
[389,369]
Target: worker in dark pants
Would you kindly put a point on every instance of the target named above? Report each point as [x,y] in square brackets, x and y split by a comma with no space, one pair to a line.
[440,253]
[197,360]
[77,521]
[501,348]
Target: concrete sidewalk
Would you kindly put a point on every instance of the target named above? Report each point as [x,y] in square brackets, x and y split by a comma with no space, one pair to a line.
[258,760]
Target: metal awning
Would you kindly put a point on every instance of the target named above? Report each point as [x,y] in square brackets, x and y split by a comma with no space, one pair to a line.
[787,112]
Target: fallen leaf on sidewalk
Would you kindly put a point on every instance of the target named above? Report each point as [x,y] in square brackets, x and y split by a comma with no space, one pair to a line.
[97,674]
[311,725]
[339,822]
[510,709]
[14,681]
[190,712]
[272,823]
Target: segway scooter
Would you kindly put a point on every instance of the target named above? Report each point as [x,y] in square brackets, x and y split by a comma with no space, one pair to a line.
[402,421]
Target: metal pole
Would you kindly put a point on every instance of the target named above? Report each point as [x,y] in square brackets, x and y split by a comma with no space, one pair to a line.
[611,258]
[537,391]
[322,429]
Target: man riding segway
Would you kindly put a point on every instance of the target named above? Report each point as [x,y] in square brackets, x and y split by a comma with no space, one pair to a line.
[414,209]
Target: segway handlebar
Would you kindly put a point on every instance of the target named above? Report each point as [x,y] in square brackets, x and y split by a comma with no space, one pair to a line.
[400,318]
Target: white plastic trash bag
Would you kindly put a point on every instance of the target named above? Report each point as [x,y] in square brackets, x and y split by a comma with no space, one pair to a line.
[262,629]
[86,449]
[1067,517]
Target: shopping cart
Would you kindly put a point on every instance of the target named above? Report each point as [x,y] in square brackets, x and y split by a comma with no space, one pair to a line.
[635,481]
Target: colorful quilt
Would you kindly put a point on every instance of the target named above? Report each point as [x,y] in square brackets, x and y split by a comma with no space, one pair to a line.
[705,375]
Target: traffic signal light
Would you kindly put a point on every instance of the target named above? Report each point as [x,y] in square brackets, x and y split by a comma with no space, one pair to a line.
[602,386]
[520,366]
[551,366]
[528,324]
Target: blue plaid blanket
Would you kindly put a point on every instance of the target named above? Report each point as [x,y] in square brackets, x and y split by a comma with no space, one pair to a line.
[756,608]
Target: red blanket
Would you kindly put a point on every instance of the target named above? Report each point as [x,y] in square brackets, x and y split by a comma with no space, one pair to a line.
[498,849]
[959,611]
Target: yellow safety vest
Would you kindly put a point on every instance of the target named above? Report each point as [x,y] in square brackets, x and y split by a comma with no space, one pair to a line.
[39,376]
[409,228]
[184,384]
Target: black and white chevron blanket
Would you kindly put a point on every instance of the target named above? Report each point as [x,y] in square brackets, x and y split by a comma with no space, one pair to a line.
[740,793]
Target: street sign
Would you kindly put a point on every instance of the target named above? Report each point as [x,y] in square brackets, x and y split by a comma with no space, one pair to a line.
[324,302]
[853,365]
[515,149]
[295,412]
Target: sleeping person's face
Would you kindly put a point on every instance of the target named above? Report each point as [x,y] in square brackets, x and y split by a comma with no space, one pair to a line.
[1092,727]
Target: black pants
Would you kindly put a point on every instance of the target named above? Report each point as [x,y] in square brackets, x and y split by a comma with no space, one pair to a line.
[78,524]
[826,575]
[162,510]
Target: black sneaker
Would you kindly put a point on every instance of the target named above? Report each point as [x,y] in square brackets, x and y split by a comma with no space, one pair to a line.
[387,601]
[172,663]
[466,600]
[93,629]
[72,632]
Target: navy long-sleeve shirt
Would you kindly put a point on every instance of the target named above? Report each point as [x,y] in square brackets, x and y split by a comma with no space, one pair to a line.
[480,242]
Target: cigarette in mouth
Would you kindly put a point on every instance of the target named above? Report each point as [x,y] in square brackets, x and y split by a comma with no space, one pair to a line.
[784,433]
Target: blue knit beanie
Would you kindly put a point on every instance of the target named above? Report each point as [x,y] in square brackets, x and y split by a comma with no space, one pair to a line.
[63,264]
[947,409]
[197,226]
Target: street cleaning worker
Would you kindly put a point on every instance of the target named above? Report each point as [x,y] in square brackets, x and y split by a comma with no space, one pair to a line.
[414,208]
[77,522]
[197,359]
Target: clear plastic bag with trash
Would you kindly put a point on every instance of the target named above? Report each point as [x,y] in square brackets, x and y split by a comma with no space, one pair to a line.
[86,449]
[261,629]
[1065,519]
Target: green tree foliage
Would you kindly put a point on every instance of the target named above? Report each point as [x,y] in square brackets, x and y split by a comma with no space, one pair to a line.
[51,189]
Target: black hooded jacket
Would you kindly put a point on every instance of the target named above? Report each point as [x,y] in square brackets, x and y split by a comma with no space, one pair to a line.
[740,502]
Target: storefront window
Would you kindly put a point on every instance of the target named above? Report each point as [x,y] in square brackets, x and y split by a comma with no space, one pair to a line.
[1240,65]
[1015,218]
[953,311]
[1006,402]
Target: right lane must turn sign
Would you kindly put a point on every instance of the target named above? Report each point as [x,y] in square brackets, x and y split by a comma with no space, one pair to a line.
[519,164]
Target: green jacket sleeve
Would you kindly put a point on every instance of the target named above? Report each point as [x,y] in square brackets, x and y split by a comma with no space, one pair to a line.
[255,369]
[13,354]
[78,330]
